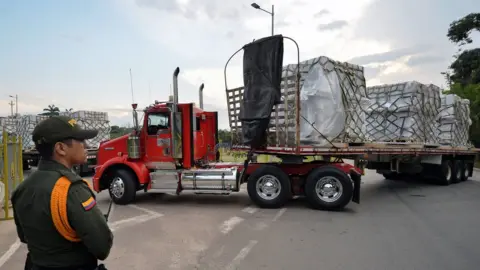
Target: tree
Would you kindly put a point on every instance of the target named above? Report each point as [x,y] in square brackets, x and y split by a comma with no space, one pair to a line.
[460,30]
[464,80]
[51,110]
[466,67]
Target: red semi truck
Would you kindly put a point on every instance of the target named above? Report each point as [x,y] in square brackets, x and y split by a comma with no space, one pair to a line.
[174,151]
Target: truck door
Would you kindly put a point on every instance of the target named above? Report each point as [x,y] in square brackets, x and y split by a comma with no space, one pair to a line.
[158,139]
[210,128]
[200,150]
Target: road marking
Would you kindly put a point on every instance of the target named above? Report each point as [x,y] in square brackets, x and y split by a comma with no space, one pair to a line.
[279,214]
[151,212]
[229,224]
[133,221]
[6,256]
[250,210]
[241,255]
[113,227]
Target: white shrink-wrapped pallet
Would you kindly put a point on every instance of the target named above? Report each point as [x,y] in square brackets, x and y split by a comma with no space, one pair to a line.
[8,124]
[103,127]
[403,112]
[333,103]
[91,120]
[454,121]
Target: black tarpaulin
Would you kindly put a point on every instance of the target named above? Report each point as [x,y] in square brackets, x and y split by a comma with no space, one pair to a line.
[262,75]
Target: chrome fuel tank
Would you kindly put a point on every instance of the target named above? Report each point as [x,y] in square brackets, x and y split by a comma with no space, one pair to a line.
[211,179]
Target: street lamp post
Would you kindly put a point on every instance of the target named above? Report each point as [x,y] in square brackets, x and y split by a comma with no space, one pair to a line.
[256,6]
[16,104]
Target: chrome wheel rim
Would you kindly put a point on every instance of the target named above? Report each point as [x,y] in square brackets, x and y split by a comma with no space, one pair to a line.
[117,187]
[268,187]
[329,189]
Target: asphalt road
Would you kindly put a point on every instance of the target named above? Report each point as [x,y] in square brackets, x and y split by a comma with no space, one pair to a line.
[398,225]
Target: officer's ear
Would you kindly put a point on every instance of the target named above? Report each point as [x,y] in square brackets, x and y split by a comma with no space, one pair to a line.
[61,148]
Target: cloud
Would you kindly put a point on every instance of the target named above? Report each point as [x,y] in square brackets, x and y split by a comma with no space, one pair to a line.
[394,40]
[389,55]
[321,13]
[334,25]
[415,32]
[418,60]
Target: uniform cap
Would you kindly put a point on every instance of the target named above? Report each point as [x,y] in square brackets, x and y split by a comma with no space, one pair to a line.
[58,128]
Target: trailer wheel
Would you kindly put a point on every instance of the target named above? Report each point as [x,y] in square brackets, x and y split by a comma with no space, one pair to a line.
[446,174]
[122,187]
[466,171]
[269,187]
[328,188]
[394,176]
[458,166]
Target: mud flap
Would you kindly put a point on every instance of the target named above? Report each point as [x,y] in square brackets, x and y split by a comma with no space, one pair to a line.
[357,179]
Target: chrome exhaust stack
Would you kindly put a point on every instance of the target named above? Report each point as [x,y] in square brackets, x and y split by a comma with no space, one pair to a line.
[200,96]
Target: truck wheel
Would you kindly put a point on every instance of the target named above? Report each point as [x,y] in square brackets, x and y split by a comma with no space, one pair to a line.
[26,165]
[446,174]
[466,171]
[269,187]
[328,188]
[122,187]
[392,176]
[458,166]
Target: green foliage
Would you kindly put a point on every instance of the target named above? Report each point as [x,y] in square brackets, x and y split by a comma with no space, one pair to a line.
[116,131]
[224,135]
[460,30]
[464,80]
[51,110]
[466,67]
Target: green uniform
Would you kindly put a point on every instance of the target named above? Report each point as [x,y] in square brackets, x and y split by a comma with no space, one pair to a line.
[35,227]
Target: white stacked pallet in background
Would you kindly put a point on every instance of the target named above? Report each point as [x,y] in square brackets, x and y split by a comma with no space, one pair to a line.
[332,100]
[26,124]
[404,112]
[7,124]
[454,121]
[87,119]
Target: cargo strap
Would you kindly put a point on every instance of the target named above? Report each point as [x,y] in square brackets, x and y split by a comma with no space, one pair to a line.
[58,207]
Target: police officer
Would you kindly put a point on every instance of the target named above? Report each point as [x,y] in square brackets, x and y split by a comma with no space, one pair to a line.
[55,210]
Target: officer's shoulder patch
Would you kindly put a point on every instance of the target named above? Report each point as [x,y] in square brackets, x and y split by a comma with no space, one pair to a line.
[89,204]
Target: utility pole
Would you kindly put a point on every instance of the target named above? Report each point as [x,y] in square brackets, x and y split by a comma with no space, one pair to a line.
[16,104]
[11,107]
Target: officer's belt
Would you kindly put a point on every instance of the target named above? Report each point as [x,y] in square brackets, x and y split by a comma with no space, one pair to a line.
[58,207]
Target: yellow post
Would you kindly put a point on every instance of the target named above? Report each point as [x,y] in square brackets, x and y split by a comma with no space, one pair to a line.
[5,176]
[14,163]
[20,159]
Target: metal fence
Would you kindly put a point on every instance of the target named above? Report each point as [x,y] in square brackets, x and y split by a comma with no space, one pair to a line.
[11,171]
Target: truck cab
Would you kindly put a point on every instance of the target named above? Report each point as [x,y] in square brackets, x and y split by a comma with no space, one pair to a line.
[157,134]
[172,136]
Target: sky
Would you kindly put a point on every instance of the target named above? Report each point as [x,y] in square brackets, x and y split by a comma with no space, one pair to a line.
[77,54]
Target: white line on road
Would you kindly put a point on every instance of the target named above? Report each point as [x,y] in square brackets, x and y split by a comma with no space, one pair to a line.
[6,256]
[229,224]
[151,212]
[279,214]
[250,210]
[132,221]
[241,255]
